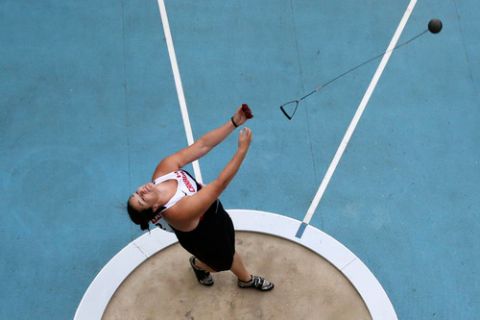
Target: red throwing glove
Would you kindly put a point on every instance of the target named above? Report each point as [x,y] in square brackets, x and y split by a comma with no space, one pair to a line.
[246,110]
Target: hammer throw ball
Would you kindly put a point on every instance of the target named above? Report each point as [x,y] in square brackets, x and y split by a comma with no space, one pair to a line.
[435,26]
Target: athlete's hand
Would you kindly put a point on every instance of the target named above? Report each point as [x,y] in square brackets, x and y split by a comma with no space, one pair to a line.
[244,139]
[242,114]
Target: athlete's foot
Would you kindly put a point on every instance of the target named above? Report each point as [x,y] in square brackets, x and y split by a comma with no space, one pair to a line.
[256,282]
[203,277]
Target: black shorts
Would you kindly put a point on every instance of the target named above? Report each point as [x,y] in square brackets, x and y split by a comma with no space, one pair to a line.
[213,240]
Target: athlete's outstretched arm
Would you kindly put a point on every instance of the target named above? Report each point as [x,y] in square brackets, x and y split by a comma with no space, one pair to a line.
[201,147]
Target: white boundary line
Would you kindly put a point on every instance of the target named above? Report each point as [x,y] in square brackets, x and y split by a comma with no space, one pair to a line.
[103,287]
[178,85]
[358,114]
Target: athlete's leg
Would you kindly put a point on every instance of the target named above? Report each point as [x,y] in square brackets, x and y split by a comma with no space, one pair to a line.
[238,268]
[203,266]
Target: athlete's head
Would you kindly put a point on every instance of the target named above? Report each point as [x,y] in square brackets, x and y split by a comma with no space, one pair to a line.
[143,205]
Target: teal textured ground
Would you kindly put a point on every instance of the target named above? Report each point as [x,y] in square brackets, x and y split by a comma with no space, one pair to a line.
[88,106]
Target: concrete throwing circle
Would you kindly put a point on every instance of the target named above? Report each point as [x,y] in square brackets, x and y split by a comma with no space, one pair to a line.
[315,277]
[307,287]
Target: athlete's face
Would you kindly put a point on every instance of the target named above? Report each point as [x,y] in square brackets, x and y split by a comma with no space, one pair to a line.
[145,197]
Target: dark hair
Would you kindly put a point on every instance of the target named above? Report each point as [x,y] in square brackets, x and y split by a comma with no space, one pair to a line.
[142,218]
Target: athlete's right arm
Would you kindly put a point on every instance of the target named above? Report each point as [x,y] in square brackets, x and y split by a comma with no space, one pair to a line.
[191,208]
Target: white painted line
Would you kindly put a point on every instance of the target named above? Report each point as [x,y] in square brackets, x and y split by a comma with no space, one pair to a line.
[358,114]
[103,287]
[178,85]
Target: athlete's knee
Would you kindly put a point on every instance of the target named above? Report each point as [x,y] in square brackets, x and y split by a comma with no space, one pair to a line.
[224,264]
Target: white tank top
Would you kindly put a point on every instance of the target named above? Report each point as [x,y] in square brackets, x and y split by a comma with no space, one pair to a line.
[186,186]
